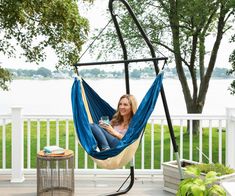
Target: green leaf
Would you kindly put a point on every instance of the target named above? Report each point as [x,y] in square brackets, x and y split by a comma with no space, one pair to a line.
[198,190]
[211,174]
[184,187]
[216,190]
[198,181]
[211,177]
[194,171]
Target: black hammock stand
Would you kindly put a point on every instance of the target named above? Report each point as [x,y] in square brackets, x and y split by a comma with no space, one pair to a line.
[126,62]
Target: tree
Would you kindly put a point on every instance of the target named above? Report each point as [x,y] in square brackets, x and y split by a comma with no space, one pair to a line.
[135,73]
[5,76]
[32,25]
[44,72]
[232,70]
[180,28]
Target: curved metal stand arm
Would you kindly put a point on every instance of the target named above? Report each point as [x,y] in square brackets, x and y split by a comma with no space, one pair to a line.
[132,179]
[149,44]
[142,32]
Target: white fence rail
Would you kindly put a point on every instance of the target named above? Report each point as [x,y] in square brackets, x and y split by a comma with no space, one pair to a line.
[22,136]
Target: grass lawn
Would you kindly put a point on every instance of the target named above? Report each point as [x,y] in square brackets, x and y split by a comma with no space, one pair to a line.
[147,144]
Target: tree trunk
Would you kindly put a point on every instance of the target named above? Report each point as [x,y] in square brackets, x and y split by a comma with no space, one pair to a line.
[195,126]
[194,108]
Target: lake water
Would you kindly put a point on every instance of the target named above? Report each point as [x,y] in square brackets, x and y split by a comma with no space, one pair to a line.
[53,96]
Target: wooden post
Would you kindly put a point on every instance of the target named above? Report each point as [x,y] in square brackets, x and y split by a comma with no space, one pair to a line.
[230,137]
[17,144]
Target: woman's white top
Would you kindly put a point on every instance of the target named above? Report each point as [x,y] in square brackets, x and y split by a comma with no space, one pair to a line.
[123,131]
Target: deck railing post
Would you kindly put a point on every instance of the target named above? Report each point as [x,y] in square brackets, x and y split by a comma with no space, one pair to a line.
[230,137]
[17,146]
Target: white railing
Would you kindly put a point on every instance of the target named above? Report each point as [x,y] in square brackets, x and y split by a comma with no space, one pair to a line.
[30,133]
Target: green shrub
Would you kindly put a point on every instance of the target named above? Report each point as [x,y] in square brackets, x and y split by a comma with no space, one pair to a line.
[196,186]
[220,169]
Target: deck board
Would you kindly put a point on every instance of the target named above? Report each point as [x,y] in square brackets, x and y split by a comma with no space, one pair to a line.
[87,185]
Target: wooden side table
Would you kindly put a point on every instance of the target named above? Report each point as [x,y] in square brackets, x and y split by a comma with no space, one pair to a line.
[55,173]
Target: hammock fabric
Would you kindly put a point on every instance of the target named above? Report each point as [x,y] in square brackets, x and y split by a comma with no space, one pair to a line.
[88,107]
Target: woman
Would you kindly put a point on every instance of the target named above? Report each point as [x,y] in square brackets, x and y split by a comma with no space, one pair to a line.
[108,135]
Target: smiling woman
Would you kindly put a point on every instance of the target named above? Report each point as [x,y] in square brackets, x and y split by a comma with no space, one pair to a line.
[108,135]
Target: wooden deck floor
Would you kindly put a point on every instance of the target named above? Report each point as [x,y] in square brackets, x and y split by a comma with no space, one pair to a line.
[87,185]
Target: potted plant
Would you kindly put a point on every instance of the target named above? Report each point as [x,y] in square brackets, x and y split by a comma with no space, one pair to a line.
[172,178]
[195,185]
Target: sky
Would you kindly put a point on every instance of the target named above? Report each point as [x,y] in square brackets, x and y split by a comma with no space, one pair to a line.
[95,14]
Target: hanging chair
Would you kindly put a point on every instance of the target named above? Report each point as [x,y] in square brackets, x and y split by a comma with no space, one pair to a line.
[88,107]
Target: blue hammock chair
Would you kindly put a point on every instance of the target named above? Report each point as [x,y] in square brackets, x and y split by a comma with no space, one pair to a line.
[88,107]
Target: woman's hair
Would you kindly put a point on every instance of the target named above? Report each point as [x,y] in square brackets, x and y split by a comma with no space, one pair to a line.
[117,118]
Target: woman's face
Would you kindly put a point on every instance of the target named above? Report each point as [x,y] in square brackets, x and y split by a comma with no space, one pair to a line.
[124,107]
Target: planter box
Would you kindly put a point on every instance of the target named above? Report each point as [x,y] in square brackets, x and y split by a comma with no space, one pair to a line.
[171,175]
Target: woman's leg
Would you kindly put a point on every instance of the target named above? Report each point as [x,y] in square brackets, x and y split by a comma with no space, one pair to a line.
[112,141]
[100,137]
[104,139]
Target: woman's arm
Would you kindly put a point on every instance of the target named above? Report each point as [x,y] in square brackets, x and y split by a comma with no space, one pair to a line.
[111,130]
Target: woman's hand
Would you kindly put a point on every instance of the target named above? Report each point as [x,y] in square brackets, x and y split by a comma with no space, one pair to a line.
[110,129]
[106,126]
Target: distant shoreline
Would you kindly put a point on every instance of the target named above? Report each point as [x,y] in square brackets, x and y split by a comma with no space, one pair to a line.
[146,73]
[114,78]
